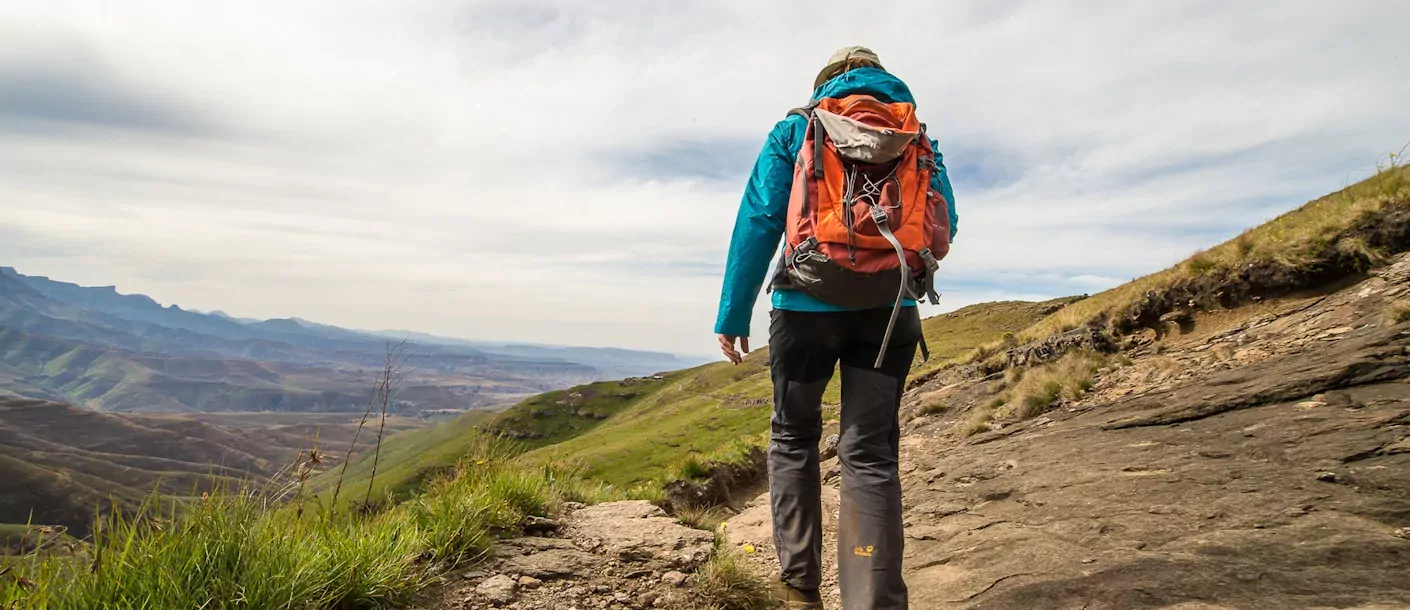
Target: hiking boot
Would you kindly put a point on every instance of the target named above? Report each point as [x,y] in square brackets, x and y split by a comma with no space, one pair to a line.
[797,599]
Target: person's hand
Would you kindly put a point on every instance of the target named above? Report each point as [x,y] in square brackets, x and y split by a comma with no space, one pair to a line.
[727,347]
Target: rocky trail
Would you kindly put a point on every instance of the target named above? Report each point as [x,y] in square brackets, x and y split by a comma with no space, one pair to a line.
[611,555]
[1257,458]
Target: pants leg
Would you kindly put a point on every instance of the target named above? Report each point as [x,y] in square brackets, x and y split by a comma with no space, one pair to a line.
[870,539]
[803,351]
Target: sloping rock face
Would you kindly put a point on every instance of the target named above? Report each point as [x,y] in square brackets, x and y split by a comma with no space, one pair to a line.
[640,532]
[611,555]
[1261,459]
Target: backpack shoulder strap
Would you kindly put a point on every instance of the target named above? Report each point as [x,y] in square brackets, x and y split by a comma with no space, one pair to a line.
[804,111]
[818,148]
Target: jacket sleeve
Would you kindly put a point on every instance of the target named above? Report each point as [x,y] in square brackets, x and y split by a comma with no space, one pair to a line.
[941,180]
[757,230]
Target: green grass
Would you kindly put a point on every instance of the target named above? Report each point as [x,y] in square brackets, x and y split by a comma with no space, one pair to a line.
[1292,240]
[234,550]
[553,417]
[645,445]
[408,459]
[652,428]
[736,451]
[692,468]
[13,536]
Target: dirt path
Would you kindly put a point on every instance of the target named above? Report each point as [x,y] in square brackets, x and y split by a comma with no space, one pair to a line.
[1262,460]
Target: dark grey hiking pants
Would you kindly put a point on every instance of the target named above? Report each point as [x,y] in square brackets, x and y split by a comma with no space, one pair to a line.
[804,348]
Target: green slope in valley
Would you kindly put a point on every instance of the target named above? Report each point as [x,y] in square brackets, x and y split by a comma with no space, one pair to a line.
[701,410]
[634,432]
[405,462]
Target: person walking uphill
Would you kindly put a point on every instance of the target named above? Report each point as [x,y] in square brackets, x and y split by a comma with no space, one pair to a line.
[860,194]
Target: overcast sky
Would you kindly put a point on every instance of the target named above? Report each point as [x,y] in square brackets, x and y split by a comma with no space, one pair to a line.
[568,172]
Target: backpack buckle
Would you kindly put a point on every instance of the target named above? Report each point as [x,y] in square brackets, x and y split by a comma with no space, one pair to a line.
[928,281]
[807,250]
[878,215]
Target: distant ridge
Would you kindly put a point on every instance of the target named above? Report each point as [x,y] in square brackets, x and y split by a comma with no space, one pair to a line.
[97,347]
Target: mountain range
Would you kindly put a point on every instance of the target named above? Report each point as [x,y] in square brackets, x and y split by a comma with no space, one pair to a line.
[99,349]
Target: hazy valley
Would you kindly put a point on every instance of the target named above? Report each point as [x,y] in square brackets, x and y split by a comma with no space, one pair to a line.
[110,395]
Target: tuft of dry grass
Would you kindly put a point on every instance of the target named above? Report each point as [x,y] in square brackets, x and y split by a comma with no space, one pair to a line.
[1358,248]
[1038,389]
[725,582]
[978,421]
[934,407]
[1398,311]
[1201,264]
[1037,400]
[1165,367]
[701,518]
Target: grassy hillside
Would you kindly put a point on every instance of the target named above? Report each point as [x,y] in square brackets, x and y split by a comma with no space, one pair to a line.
[407,460]
[554,417]
[634,432]
[1356,226]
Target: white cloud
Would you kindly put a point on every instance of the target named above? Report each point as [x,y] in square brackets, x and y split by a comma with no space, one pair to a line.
[467,167]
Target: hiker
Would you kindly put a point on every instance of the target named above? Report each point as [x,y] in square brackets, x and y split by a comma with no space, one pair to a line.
[861,197]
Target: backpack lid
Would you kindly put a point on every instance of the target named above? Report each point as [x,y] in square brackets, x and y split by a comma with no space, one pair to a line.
[867,130]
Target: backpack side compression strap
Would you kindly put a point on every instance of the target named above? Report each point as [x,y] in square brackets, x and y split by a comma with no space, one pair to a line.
[878,216]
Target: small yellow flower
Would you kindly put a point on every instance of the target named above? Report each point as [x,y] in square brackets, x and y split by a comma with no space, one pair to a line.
[749,549]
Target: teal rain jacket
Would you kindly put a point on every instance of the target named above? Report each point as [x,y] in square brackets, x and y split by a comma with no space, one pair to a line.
[763,211]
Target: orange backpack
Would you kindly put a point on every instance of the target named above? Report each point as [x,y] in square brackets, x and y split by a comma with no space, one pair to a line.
[865,227]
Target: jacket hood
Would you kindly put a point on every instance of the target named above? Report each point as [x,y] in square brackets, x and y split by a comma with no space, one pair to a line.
[875,82]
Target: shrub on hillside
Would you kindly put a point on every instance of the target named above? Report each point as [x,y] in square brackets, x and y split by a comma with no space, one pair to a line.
[707,518]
